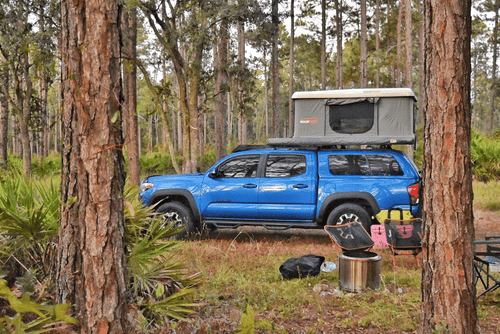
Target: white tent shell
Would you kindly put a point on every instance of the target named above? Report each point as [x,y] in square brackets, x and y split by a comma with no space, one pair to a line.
[382,116]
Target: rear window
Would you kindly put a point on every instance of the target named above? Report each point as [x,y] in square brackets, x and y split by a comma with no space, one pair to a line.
[281,165]
[352,118]
[359,164]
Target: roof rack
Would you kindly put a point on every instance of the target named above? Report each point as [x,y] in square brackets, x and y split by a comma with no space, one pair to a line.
[312,147]
[241,148]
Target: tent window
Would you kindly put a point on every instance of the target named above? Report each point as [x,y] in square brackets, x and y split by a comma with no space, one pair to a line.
[352,118]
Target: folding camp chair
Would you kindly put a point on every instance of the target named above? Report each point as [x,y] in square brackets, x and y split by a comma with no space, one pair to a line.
[483,261]
[350,237]
[404,236]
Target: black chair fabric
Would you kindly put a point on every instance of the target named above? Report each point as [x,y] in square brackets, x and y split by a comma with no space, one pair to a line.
[350,236]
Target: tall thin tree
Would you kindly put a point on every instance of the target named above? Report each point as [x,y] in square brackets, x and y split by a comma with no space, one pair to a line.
[494,67]
[363,72]
[409,45]
[397,75]
[323,44]
[129,27]
[220,102]
[275,65]
[338,22]
[377,43]
[4,110]
[290,87]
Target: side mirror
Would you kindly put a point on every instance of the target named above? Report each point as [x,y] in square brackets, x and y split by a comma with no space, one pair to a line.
[198,169]
[213,175]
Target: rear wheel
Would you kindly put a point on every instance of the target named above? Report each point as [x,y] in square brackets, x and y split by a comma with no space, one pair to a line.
[348,213]
[181,216]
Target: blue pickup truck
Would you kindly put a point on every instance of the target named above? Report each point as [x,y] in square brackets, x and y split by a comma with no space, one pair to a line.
[281,188]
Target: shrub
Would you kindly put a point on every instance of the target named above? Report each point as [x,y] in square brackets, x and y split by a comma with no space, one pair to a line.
[485,157]
[45,166]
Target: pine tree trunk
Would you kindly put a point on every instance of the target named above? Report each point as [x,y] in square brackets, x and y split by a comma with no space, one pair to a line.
[494,70]
[266,94]
[409,45]
[24,99]
[377,43]
[220,60]
[448,290]
[129,26]
[421,72]
[338,22]
[4,115]
[91,273]
[241,91]
[397,75]
[363,71]
[275,65]
[290,93]
[323,44]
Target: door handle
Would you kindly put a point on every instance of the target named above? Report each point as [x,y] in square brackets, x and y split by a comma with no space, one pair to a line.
[250,185]
[300,186]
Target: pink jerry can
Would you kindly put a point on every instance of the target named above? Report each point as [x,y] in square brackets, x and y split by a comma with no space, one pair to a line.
[378,236]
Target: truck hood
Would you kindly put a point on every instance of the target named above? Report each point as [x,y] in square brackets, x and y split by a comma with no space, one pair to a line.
[189,182]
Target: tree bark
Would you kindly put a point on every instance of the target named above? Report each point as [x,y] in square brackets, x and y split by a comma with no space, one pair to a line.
[323,44]
[266,93]
[24,99]
[448,290]
[4,114]
[275,65]
[290,93]
[397,75]
[220,92]
[241,91]
[340,68]
[377,42]
[91,273]
[494,70]
[409,45]
[363,70]
[130,93]
[421,52]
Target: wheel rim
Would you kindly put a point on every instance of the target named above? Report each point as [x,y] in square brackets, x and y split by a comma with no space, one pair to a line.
[347,218]
[172,217]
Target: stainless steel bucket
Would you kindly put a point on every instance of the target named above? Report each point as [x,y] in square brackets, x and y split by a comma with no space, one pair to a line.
[359,270]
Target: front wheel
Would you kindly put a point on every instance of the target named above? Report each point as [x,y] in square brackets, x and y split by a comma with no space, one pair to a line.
[180,215]
[348,213]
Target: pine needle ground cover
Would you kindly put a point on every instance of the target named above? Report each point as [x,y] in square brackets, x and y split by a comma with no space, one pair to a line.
[242,289]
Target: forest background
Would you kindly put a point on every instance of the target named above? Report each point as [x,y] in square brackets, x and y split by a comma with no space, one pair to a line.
[215,74]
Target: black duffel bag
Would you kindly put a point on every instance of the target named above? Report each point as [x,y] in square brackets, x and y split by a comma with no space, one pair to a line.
[307,265]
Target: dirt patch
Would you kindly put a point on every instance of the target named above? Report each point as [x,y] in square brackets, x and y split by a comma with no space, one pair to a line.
[486,223]
[225,318]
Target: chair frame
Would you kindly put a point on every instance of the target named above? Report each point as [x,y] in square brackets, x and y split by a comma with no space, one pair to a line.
[482,271]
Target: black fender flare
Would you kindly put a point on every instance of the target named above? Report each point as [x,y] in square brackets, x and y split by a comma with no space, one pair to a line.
[159,196]
[345,197]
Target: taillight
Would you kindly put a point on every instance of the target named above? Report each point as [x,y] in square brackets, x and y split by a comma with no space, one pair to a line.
[413,192]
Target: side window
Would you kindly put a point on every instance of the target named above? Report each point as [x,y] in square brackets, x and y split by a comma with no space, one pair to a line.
[281,165]
[384,165]
[242,166]
[354,164]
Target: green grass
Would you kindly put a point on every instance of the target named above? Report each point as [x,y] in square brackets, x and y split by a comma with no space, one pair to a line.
[487,195]
[245,273]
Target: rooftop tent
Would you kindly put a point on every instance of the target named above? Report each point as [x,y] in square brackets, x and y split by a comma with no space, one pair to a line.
[381,116]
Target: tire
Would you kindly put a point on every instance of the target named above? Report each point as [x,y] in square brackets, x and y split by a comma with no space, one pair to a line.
[348,213]
[180,213]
